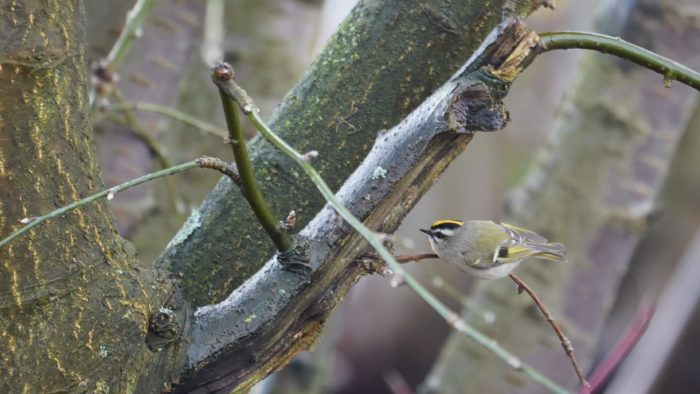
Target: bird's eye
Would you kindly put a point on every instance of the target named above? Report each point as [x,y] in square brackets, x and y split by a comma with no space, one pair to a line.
[503,251]
[439,235]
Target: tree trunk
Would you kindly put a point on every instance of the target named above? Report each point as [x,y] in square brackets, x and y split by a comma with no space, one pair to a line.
[74,303]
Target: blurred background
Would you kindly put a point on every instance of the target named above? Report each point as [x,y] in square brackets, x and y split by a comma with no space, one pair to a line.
[383,339]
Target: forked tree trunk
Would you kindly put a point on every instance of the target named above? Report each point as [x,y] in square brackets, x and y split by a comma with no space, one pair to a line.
[75,303]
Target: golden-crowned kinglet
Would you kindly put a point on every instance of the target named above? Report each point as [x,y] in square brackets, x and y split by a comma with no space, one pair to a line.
[486,249]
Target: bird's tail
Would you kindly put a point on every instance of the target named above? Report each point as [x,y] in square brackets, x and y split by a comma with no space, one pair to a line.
[530,244]
[549,251]
[543,250]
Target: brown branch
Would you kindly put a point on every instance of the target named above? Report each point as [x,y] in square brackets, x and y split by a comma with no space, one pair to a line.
[217,164]
[403,258]
[407,258]
[565,342]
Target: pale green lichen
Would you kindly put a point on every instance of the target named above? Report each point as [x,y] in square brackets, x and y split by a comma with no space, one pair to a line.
[379,172]
[192,223]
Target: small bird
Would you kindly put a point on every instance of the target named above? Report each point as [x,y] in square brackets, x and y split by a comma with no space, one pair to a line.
[486,249]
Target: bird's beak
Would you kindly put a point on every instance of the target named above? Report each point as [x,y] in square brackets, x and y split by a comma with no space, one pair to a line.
[429,232]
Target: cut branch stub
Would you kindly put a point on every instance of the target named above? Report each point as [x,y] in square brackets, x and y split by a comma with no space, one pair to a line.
[477,108]
[277,313]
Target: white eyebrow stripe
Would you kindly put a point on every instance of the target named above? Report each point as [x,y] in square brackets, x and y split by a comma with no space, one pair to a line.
[446,231]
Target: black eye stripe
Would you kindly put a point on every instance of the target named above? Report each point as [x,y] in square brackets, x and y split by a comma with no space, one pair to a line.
[439,235]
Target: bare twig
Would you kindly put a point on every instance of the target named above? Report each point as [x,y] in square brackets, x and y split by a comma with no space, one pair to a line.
[104,74]
[407,258]
[565,342]
[171,113]
[439,283]
[248,184]
[404,258]
[132,30]
[217,164]
[617,354]
[134,127]
[670,69]
[109,194]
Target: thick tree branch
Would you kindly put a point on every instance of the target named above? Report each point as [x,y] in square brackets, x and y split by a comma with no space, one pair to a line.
[85,306]
[277,312]
[352,82]
[231,88]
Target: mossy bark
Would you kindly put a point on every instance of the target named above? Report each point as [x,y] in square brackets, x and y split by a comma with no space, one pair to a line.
[593,188]
[382,62]
[74,304]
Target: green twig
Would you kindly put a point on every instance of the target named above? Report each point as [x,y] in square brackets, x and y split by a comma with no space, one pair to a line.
[35,221]
[670,69]
[203,162]
[172,113]
[131,30]
[487,316]
[223,77]
[134,20]
[134,126]
[249,186]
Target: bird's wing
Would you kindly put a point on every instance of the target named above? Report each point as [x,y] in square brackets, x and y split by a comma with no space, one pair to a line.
[521,235]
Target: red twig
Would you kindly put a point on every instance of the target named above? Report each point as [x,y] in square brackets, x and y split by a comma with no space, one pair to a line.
[396,382]
[624,345]
[565,342]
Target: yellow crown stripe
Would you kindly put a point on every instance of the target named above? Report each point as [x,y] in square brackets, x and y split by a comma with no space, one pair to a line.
[448,221]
